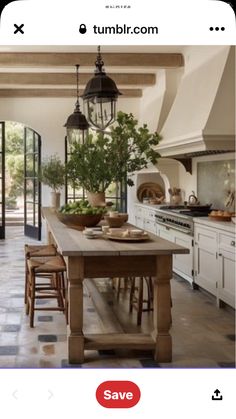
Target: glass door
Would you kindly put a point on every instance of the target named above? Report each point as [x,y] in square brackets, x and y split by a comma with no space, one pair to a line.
[32,186]
[2,180]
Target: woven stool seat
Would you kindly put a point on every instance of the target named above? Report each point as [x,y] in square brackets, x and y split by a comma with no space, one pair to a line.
[46,264]
[42,250]
[39,251]
[45,279]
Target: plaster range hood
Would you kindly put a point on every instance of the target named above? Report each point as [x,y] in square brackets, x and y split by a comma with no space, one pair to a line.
[202,118]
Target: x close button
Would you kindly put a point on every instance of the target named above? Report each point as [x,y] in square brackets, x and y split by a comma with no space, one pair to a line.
[19,28]
[118,394]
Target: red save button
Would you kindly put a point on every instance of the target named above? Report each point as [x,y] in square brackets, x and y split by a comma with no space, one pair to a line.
[118,394]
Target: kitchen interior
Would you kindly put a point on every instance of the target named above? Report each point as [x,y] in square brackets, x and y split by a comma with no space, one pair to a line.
[188,199]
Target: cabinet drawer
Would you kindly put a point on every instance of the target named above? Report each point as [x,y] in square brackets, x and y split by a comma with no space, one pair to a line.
[150,226]
[150,215]
[206,238]
[139,221]
[139,210]
[227,242]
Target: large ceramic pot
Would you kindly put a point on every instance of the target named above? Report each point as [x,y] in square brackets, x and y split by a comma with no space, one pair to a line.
[96,199]
[55,199]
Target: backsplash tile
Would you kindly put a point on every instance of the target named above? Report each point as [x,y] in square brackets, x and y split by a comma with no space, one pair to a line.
[214,180]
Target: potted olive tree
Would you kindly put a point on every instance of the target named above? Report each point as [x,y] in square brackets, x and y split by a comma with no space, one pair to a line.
[111,157]
[53,175]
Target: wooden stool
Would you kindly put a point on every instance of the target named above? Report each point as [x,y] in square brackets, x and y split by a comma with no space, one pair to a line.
[118,285]
[36,251]
[137,296]
[54,266]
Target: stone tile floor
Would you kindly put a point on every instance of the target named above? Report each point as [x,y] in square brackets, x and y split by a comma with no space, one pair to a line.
[203,335]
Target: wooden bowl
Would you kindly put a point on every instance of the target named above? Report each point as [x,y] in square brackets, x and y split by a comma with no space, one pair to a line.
[114,222]
[80,219]
[124,216]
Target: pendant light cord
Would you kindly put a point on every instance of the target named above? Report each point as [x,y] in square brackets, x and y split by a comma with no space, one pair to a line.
[99,63]
[77,80]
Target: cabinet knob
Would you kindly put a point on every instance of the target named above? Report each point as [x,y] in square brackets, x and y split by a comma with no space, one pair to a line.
[220,254]
[232,243]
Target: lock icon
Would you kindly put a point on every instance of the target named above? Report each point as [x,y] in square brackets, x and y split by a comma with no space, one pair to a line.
[82,28]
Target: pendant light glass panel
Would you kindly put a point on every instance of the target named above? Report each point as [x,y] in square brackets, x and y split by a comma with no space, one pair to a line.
[77,124]
[100,97]
[100,112]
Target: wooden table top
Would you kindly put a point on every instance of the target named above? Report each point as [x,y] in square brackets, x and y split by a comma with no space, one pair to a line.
[72,242]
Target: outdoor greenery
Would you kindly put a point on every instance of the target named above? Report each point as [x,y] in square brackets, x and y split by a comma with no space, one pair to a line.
[112,157]
[14,163]
[53,173]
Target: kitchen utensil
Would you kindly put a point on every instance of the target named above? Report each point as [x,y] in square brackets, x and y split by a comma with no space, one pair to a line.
[199,207]
[192,199]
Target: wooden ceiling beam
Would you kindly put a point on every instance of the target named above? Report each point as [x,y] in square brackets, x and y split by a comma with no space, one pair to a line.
[51,59]
[47,93]
[136,79]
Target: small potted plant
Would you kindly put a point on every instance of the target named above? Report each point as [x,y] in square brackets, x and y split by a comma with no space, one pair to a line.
[53,175]
[111,157]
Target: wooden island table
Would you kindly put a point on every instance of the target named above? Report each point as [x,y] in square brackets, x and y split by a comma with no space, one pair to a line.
[102,258]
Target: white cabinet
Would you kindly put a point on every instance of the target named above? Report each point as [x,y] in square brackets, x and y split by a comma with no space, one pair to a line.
[150,226]
[183,264]
[165,232]
[145,218]
[214,262]
[206,270]
[226,286]
[139,216]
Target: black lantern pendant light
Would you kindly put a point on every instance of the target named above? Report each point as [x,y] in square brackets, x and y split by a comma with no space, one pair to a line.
[100,97]
[77,124]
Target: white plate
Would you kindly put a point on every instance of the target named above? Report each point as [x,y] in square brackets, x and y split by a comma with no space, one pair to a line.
[140,238]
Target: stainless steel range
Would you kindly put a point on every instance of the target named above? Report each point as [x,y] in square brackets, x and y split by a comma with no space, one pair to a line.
[178,218]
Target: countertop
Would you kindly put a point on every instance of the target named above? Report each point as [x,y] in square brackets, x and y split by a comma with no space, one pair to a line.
[227,226]
[72,242]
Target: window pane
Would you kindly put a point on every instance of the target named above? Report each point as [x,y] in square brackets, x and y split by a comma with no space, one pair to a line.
[29,213]
[29,190]
[29,141]
[30,165]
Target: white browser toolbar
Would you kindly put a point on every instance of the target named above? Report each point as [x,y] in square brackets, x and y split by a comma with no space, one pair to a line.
[118,22]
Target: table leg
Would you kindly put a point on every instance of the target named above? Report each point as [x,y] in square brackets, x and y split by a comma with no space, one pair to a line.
[162,309]
[75,272]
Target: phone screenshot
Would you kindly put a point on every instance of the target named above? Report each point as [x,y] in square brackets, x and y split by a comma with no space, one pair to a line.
[117,209]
